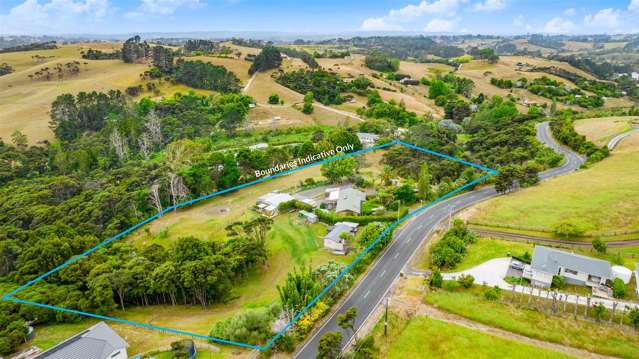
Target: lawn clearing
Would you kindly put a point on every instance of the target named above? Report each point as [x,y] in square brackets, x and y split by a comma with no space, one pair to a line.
[598,199]
[603,339]
[487,248]
[424,337]
[602,129]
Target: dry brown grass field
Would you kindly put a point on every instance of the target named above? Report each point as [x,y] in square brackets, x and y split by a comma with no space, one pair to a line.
[603,129]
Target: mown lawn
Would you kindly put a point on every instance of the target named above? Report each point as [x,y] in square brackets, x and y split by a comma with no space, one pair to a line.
[602,339]
[487,248]
[424,337]
[598,200]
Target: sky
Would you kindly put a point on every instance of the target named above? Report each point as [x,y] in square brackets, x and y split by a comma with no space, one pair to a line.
[58,17]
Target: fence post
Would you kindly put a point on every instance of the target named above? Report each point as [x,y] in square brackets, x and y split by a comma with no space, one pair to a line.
[587,307]
[575,308]
[612,315]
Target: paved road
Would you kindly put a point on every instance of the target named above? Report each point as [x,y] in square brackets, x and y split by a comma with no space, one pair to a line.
[615,140]
[374,286]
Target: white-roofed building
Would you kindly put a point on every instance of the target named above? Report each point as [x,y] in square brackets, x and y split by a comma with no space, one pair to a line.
[334,242]
[268,203]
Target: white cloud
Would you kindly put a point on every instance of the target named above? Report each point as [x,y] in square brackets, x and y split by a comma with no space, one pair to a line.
[634,5]
[166,7]
[570,11]
[53,16]
[604,18]
[379,24]
[519,21]
[440,25]
[490,5]
[558,25]
[411,13]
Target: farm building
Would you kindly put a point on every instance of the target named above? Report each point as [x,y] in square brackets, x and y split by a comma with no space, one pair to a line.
[308,217]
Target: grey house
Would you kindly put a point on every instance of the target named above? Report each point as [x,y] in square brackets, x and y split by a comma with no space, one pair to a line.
[334,242]
[97,342]
[350,200]
[577,269]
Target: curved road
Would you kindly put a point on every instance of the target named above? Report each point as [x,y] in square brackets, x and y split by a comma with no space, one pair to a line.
[373,287]
[615,140]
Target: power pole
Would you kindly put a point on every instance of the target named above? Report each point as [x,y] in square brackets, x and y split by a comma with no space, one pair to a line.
[386,318]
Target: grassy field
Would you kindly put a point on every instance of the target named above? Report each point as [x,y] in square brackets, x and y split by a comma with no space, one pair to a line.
[487,248]
[289,244]
[424,337]
[598,199]
[603,339]
[24,103]
[603,129]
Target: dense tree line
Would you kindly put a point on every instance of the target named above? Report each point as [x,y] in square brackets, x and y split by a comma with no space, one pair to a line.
[306,57]
[47,45]
[379,61]
[563,130]
[134,50]
[199,45]
[391,111]
[269,58]
[93,54]
[451,249]
[602,70]
[600,88]
[403,47]
[204,75]
[326,87]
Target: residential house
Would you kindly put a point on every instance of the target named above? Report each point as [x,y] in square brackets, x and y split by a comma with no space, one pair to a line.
[576,269]
[367,139]
[97,342]
[344,200]
[268,203]
[334,242]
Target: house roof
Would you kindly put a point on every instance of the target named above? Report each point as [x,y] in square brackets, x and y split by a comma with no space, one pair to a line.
[549,260]
[97,342]
[367,137]
[308,214]
[338,229]
[275,198]
[350,200]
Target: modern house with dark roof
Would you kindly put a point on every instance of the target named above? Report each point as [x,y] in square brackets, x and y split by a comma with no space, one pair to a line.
[334,242]
[97,342]
[576,269]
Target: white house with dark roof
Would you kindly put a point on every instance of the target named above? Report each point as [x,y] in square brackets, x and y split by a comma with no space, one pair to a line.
[334,242]
[576,269]
[97,342]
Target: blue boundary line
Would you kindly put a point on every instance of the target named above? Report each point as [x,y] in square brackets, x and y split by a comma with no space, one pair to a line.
[491,172]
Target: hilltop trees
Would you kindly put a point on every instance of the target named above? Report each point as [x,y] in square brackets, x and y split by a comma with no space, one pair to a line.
[379,61]
[135,51]
[268,58]
[204,75]
[5,69]
[163,58]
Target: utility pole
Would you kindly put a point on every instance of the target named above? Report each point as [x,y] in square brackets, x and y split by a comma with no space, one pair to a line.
[386,318]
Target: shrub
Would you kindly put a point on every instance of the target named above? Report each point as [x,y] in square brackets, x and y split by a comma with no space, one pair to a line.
[435,280]
[250,326]
[618,288]
[274,99]
[558,282]
[599,245]
[466,280]
[567,230]
[492,294]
